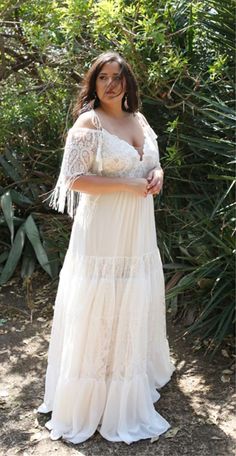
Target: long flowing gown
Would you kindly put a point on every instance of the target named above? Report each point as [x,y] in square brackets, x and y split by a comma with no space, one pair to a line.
[108,353]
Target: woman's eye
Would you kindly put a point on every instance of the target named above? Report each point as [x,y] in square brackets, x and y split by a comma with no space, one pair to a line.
[116,78]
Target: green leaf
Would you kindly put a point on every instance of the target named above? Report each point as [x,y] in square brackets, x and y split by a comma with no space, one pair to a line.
[4,256]
[28,261]
[13,256]
[6,203]
[34,237]
[53,257]
[20,199]
[14,162]
[218,204]
[9,169]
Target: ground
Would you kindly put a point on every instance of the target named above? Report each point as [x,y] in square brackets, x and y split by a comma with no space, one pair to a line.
[198,401]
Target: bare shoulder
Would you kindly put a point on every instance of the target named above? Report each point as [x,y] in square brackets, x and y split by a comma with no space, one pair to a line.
[85,120]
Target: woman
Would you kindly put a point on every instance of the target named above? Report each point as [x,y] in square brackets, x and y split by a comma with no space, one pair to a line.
[108,351]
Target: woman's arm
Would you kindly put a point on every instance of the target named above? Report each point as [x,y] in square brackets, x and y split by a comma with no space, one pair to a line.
[96,185]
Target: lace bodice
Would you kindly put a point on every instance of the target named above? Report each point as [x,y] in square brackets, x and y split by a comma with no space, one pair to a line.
[98,152]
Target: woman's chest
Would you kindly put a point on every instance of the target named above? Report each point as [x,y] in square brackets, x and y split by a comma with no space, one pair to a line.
[119,158]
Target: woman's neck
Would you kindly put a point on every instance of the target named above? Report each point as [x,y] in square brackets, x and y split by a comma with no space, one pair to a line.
[114,110]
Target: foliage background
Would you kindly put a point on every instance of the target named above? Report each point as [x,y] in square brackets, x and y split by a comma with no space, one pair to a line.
[183,55]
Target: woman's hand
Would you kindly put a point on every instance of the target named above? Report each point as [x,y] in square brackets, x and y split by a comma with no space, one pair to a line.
[138,186]
[155,181]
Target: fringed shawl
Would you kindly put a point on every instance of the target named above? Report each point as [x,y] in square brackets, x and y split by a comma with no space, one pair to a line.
[82,146]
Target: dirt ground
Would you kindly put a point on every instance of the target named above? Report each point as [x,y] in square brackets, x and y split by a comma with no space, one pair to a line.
[198,401]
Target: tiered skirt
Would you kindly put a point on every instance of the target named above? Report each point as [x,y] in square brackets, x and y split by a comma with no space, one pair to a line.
[109,353]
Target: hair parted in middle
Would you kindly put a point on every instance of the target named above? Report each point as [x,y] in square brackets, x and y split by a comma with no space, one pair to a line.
[87,98]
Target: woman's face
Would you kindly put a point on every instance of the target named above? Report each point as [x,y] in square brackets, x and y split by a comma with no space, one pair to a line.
[109,87]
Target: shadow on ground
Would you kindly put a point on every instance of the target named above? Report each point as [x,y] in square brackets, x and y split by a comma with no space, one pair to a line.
[196,402]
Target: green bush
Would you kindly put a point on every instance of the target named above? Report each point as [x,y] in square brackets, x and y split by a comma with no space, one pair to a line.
[182,53]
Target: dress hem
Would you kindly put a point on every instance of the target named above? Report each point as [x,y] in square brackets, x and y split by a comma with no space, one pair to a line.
[55,434]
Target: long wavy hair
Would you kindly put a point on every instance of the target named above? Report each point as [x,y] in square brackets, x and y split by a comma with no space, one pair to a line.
[87,98]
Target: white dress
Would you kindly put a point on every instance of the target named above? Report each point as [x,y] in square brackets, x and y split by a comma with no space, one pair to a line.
[108,351]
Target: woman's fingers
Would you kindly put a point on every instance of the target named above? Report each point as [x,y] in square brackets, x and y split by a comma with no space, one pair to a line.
[155,186]
[152,183]
[155,182]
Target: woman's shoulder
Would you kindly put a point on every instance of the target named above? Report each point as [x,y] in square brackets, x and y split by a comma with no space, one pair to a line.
[85,120]
[141,117]
[143,121]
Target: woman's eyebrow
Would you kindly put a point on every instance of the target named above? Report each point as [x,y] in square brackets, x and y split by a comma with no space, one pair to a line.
[114,74]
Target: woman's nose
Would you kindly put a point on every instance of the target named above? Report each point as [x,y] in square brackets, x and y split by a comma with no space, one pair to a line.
[110,82]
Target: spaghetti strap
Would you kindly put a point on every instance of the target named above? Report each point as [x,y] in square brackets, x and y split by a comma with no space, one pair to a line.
[144,123]
[95,120]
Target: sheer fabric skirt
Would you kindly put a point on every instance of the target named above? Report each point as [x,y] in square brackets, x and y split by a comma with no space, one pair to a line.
[109,353]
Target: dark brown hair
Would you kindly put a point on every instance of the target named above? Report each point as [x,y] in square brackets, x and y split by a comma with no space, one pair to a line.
[87,98]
